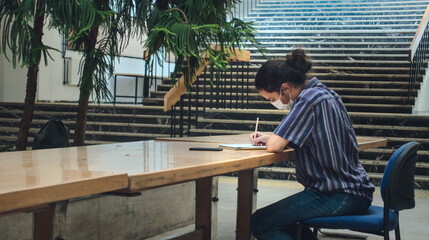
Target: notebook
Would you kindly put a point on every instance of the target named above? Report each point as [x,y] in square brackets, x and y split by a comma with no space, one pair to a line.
[247,146]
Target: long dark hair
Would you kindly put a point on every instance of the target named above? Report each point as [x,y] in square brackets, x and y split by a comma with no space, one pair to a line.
[293,70]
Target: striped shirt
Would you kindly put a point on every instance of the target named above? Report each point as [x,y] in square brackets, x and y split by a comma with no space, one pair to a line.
[326,149]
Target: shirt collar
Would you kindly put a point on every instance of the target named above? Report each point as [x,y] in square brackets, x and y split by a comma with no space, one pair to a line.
[312,83]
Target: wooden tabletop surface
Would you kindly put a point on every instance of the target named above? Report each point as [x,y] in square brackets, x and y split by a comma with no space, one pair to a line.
[363,141]
[42,176]
[152,164]
[148,164]
[32,178]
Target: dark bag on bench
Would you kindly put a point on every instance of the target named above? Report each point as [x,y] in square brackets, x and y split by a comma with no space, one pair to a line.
[53,134]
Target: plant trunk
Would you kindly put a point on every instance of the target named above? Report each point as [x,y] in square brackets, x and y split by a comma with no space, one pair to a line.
[79,131]
[31,89]
[86,87]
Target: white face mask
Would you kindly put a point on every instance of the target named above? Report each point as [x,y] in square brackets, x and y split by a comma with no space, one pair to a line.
[279,105]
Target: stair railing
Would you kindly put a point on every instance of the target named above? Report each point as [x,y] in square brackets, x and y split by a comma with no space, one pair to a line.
[417,52]
[210,89]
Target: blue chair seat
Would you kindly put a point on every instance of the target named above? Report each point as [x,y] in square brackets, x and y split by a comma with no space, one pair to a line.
[371,221]
[397,192]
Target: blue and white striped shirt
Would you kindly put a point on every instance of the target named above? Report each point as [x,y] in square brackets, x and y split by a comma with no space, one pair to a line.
[326,150]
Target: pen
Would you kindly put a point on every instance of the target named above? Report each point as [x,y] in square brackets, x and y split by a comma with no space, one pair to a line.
[204,149]
[256,126]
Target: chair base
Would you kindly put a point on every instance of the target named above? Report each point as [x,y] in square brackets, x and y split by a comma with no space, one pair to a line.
[343,235]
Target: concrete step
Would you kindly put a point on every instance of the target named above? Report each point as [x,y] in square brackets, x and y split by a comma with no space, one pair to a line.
[100,116]
[254,96]
[350,32]
[383,154]
[349,17]
[357,7]
[357,117]
[90,135]
[366,38]
[91,125]
[331,27]
[350,56]
[372,176]
[368,13]
[419,132]
[405,22]
[318,4]
[326,74]
[226,90]
[319,67]
[92,108]
[279,11]
[363,107]
[330,44]
[11,140]
[345,62]
[337,50]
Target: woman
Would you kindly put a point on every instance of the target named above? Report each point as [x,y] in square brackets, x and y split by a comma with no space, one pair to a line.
[326,151]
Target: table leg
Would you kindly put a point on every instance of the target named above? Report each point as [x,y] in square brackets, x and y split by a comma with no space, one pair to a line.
[203,206]
[246,202]
[205,210]
[51,223]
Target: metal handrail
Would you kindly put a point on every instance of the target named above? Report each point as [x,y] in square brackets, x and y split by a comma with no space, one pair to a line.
[417,52]
[419,35]
[211,90]
[179,88]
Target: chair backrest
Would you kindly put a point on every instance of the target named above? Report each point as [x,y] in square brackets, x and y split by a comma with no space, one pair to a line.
[397,185]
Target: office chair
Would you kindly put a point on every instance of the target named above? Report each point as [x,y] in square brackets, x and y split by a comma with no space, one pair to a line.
[397,192]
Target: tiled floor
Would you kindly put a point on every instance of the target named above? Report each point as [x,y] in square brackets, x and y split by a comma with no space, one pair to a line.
[414,222]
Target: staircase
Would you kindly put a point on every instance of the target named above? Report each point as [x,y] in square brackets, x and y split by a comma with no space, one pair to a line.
[105,123]
[359,49]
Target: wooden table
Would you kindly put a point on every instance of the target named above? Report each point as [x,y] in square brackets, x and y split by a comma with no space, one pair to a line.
[34,178]
[64,173]
[247,179]
[152,164]
[42,179]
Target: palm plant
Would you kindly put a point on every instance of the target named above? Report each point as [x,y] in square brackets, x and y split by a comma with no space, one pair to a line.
[188,28]
[100,29]
[22,30]
[185,28]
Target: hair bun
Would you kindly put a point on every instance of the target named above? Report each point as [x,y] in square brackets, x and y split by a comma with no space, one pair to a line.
[299,60]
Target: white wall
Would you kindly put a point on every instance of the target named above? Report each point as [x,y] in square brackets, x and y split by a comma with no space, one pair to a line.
[13,82]
[50,85]
[421,106]
[50,82]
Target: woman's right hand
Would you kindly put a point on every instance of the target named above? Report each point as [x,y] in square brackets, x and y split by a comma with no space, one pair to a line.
[258,138]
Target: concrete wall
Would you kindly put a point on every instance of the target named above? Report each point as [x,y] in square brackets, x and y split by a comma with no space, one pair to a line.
[51,76]
[421,106]
[50,85]
[116,218]
[13,82]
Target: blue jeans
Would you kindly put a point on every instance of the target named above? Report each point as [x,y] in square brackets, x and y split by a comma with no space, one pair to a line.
[278,220]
